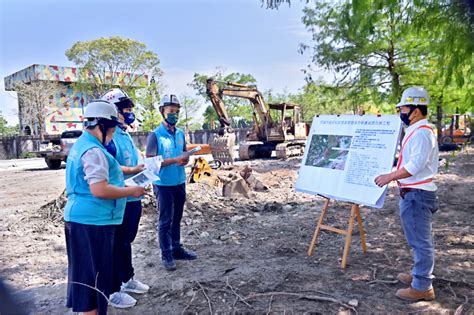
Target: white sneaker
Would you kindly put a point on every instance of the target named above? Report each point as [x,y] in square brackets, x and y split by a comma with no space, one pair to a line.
[121,300]
[134,286]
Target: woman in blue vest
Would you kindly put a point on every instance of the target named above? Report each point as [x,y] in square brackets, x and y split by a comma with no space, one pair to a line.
[95,206]
[168,141]
[124,150]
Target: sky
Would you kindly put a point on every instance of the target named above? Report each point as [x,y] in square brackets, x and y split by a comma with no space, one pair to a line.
[189,36]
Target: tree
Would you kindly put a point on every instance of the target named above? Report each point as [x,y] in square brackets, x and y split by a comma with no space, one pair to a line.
[236,107]
[189,109]
[371,50]
[377,48]
[6,130]
[147,100]
[274,4]
[114,61]
[34,99]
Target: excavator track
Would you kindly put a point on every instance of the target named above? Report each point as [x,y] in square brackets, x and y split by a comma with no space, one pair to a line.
[222,148]
[255,150]
[288,149]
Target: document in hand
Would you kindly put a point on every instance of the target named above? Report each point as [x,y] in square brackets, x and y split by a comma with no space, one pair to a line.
[191,152]
[153,163]
[142,179]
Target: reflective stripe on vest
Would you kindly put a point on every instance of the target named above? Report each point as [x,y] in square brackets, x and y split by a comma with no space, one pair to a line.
[400,158]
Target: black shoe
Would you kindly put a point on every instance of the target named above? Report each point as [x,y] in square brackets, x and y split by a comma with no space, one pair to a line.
[168,262]
[184,254]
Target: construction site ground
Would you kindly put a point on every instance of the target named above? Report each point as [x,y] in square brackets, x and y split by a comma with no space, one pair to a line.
[252,252]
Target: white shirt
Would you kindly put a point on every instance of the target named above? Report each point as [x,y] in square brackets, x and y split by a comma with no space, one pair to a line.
[420,156]
[95,165]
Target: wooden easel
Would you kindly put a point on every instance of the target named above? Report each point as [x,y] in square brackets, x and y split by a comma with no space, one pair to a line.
[355,212]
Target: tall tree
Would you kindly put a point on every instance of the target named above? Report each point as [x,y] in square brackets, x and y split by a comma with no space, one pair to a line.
[373,50]
[34,98]
[106,62]
[189,109]
[236,107]
[147,100]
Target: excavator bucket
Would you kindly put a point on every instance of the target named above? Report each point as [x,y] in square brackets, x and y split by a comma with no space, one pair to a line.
[222,147]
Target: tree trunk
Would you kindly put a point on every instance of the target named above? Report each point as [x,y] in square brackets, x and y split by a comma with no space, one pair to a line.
[439,119]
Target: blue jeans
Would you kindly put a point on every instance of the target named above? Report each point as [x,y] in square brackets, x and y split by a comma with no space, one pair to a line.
[170,201]
[416,211]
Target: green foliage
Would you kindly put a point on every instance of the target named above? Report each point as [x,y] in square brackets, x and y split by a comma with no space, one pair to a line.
[6,130]
[236,107]
[378,48]
[147,100]
[27,155]
[102,61]
[188,114]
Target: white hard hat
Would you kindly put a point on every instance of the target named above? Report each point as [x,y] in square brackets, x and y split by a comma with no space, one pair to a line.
[414,96]
[100,110]
[169,100]
[118,97]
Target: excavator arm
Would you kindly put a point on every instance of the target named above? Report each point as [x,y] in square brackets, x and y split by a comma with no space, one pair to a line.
[212,91]
[260,110]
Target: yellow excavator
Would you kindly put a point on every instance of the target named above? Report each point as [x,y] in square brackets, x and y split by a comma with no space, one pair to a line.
[276,127]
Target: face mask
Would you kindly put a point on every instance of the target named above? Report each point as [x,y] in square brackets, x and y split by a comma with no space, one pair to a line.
[172,119]
[128,118]
[405,117]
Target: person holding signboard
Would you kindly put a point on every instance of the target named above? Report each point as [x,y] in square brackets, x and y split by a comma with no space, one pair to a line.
[124,150]
[416,167]
[168,141]
[96,199]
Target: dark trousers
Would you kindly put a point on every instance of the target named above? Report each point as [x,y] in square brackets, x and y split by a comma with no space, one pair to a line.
[124,237]
[170,201]
[89,252]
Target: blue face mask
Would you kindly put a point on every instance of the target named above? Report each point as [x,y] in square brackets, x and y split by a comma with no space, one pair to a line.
[128,118]
[172,118]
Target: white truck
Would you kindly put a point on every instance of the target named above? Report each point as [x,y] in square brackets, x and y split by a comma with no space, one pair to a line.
[55,151]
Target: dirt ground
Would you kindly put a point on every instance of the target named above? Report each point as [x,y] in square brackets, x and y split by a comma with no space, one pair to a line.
[252,253]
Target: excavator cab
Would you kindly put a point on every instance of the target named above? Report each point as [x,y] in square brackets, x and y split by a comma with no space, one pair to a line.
[289,123]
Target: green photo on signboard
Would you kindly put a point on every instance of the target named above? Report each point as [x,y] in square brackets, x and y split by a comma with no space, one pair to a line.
[328,151]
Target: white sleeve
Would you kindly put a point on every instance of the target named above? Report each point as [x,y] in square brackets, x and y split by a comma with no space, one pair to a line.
[95,165]
[421,148]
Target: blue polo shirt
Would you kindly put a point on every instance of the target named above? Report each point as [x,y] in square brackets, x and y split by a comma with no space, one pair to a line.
[170,145]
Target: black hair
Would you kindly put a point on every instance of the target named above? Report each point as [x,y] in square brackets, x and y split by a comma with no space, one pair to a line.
[423,109]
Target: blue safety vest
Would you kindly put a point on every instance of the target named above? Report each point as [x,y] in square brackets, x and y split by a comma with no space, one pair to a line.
[127,154]
[82,206]
[170,146]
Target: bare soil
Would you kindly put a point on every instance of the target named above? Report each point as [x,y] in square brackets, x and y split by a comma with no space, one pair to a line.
[252,252]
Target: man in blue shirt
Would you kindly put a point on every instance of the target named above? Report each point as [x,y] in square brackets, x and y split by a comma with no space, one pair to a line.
[168,141]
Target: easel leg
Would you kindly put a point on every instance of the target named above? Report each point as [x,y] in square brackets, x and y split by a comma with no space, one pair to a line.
[318,228]
[349,236]
[361,230]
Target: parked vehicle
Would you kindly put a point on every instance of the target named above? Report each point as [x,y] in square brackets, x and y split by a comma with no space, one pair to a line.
[55,151]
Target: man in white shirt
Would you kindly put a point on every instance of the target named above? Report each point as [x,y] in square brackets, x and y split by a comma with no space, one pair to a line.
[416,167]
